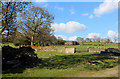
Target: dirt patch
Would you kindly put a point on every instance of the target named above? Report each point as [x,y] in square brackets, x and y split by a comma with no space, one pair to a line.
[111,72]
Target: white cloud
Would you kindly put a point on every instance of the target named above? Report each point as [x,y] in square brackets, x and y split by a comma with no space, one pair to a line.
[93,35]
[85,14]
[41,0]
[69,27]
[62,36]
[59,8]
[111,34]
[72,11]
[91,16]
[106,7]
[73,38]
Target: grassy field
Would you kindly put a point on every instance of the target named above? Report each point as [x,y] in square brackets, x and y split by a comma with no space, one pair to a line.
[55,64]
[83,48]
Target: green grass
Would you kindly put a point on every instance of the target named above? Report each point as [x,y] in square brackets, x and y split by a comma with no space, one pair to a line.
[83,48]
[35,72]
[60,64]
[71,61]
[10,44]
[55,64]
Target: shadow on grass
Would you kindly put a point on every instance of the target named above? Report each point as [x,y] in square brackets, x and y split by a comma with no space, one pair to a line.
[16,60]
[88,62]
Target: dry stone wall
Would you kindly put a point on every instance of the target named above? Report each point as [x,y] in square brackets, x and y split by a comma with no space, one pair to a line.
[55,49]
[95,49]
[69,50]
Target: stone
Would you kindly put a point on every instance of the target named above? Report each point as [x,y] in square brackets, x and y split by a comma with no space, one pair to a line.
[95,49]
[56,49]
[70,50]
[68,43]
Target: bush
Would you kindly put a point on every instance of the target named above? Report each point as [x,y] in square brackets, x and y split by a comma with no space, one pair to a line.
[75,43]
[111,51]
[13,56]
[60,42]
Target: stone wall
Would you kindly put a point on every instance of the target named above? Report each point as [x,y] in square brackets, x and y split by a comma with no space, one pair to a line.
[55,49]
[69,50]
[68,43]
[95,49]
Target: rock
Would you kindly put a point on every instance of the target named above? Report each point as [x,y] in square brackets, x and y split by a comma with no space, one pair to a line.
[13,62]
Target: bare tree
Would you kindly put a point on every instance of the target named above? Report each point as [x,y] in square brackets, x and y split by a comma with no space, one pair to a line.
[98,39]
[78,39]
[60,38]
[10,10]
[82,40]
[102,40]
[115,39]
[88,40]
[107,40]
[37,22]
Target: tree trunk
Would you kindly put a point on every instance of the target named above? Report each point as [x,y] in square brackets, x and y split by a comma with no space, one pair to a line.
[32,41]
[8,35]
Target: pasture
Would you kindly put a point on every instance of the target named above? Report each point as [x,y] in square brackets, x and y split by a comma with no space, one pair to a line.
[55,64]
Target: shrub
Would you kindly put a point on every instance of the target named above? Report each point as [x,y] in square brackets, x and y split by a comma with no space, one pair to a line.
[13,56]
[75,43]
[60,42]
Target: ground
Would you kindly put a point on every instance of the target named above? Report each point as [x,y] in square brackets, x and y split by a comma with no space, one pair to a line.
[112,72]
[55,64]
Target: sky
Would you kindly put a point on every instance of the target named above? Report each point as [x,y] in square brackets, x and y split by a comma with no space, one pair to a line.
[83,19]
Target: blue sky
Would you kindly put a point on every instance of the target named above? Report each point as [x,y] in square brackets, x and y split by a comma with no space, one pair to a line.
[83,19]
